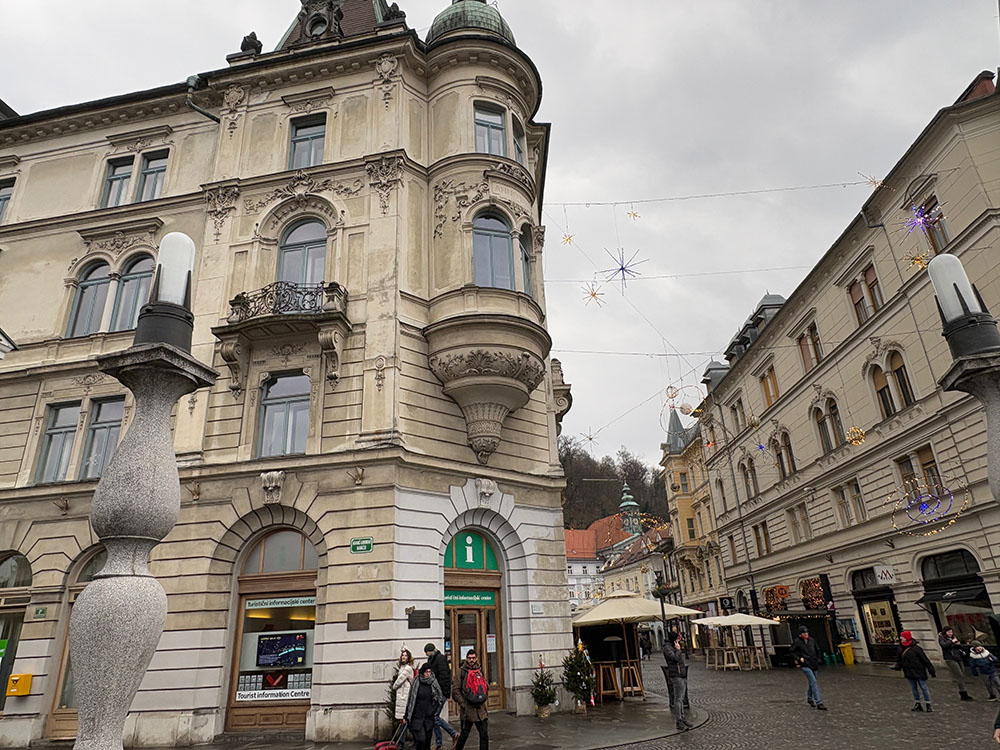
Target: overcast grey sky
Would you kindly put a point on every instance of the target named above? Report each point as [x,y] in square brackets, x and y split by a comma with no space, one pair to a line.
[648,99]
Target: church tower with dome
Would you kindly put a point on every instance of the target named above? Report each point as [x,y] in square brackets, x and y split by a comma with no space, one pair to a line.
[376,467]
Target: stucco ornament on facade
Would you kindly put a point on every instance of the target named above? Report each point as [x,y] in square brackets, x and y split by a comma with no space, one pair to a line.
[270,482]
[300,187]
[383,176]
[119,242]
[220,202]
[487,489]
[386,67]
[462,194]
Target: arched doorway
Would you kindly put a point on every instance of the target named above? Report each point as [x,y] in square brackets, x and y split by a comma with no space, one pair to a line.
[956,597]
[472,614]
[273,654]
[15,582]
[62,721]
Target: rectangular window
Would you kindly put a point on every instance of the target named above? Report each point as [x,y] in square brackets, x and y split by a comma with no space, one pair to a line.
[708,572]
[758,541]
[767,536]
[769,386]
[518,143]
[57,444]
[6,191]
[906,470]
[857,501]
[584,570]
[732,549]
[874,291]
[798,523]
[116,182]
[809,347]
[102,437]
[684,481]
[491,132]
[154,169]
[859,302]
[308,137]
[739,416]
[929,467]
[526,263]
[690,528]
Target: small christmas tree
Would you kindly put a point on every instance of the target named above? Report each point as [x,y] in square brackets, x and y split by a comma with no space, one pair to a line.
[578,674]
[543,689]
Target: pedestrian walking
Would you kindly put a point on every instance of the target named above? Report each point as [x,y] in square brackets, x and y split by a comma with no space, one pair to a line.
[984,664]
[442,673]
[423,707]
[954,657]
[470,694]
[677,671]
[915,666]
[805,655]
[402,685]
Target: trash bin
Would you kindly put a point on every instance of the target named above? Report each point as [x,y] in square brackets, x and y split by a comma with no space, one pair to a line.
[847,651]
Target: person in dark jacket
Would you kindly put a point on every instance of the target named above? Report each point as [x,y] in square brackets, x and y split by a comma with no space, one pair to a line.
[423,707]
[438,662]
[984,664]
[471,713]
[677,671]
[805,656]
[915,666]
[954,657]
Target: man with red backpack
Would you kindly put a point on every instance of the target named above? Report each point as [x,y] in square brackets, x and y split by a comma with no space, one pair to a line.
[470,693]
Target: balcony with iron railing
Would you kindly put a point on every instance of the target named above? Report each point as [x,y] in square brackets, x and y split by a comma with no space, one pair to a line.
[280,311]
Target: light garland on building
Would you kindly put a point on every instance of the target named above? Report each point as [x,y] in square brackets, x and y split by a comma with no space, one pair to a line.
[920,509]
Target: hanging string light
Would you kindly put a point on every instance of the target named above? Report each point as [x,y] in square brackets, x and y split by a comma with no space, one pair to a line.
[920,509]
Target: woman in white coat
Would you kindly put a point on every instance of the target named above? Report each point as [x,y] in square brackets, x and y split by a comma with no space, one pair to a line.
[404,679]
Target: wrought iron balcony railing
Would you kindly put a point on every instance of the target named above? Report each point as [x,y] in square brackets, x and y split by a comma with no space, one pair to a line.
[286,298]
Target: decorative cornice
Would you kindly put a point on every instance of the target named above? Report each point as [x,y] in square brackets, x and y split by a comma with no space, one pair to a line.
[9,161]
[307,101]
[117,238]
[524,367]
[142,138]
[299,187]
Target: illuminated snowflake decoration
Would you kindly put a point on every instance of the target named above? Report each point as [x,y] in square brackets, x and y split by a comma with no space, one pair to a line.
[592,293]
[590,438]
[633,215]
[926,509]
[921,219]
[568,239]
[761,448]
[918,261]
[624,270]
[873,182]
[855,436]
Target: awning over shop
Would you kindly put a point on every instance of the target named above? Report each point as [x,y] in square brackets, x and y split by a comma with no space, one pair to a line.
[957,594]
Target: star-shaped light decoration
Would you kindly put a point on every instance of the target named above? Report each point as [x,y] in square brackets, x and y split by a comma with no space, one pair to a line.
[761,448]
[568,239]
[625,269]
[592,293]
[922,218]
[633,215]
[873,182]
[856,436]
[917,261]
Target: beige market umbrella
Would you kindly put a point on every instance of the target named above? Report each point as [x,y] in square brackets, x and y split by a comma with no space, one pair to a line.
[738,619]
[627,607]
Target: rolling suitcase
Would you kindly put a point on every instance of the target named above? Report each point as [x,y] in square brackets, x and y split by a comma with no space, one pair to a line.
[392,744]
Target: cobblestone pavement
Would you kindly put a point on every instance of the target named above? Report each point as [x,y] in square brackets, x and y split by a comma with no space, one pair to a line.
[869,708]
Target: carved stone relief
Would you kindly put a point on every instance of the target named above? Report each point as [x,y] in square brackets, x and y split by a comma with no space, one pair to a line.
[386,67]
[270,482]
[299,187]
[383,176]
[220,202]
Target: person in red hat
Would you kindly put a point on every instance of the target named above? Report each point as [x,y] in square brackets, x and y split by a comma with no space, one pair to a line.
[915,666]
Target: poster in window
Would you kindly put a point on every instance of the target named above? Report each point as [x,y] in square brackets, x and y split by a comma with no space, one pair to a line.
[283,650]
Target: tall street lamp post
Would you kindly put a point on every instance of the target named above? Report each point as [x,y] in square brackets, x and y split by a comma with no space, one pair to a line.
[974,341]
[119,617]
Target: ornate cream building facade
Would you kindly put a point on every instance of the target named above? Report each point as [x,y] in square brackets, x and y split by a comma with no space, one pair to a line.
[850,489]
[376,467]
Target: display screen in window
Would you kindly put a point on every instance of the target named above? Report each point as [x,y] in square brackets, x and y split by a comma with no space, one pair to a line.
[276,651]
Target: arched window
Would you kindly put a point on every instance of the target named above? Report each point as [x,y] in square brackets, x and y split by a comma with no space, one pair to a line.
[836,425]
[898,369]
[492,252]
[779,458]
[525,243]
[746,480]
[88,304]
[721,489]
[951,564]
[885,402]
[285,415]
[15,572]
[280,552]
[823,430]
[753,476]
[133,291]
[786,446]
[303,253]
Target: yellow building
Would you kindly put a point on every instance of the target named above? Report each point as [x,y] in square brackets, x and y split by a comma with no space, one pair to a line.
[376,466]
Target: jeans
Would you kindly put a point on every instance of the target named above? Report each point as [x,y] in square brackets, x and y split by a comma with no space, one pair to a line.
[680,698]
[440,724]
[919,686]
[481,727]
[992,682]
[813,693]
[957,673]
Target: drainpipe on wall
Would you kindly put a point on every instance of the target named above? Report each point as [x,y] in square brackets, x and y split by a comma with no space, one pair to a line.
[192,83]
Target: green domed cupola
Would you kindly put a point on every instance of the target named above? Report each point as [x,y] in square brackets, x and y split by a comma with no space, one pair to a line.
[468,15]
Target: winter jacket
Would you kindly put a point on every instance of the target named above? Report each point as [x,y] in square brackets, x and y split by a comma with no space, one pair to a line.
[402,688]
[439,663]
[982,664]
[675,661]
[468,711]
[951,651]
[437,699]
[805,653]
[914,662]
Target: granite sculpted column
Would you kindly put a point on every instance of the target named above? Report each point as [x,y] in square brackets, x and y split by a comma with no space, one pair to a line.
[118,619]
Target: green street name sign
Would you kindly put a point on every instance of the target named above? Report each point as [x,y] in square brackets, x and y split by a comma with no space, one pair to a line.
[362,544]
[474,598]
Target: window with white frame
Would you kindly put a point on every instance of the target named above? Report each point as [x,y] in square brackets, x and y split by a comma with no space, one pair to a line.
[102,436]
[851,508]
[127,180]
[308,137]
[57,443]
[6,191]
[798,523]
[152,173]
[284,415]
[133,292]
[93,294]
[491,130]
[492,251]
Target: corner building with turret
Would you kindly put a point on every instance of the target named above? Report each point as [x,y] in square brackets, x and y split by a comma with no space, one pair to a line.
[376,466]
